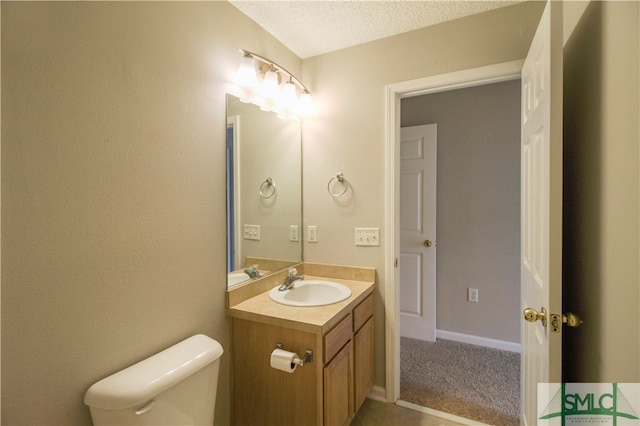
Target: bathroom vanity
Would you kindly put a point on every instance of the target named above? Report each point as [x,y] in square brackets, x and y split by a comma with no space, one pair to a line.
[330,389]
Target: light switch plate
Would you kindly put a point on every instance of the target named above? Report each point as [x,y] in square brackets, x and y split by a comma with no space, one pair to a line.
[368,236]
[294,235]
[252,232]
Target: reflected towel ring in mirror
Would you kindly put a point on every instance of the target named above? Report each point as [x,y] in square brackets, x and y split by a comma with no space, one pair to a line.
[265,186]
[339,178]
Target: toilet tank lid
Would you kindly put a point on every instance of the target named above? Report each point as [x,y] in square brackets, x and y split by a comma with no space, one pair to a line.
[149,377]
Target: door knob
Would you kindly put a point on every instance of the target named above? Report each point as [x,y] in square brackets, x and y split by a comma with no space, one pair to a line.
[532,315]
[428,243]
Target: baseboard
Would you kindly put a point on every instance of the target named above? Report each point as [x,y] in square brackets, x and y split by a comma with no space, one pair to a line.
[479,341]
[378,393]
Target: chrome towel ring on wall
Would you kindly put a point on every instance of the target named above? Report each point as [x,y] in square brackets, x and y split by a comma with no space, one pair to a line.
[339,178]
[268,183]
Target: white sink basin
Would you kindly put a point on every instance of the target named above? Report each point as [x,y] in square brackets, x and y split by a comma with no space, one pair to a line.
[234,278]
[311,293]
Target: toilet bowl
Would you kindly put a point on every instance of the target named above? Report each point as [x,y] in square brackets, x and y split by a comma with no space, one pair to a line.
[174,387]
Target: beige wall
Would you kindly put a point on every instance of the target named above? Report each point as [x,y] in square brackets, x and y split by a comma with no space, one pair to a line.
[347,133]
[602,55]
[478,206]
[113,195]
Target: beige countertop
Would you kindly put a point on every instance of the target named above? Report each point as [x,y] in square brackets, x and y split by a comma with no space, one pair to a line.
[313,319]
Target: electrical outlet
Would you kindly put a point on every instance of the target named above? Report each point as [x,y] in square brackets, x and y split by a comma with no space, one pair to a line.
[252,232]
[367,236]
[293,233]
[472,295]
[312,234]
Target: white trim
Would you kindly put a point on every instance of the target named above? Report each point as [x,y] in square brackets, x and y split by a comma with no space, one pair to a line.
[437,413]
[392,247]
[393,92]
[478,341]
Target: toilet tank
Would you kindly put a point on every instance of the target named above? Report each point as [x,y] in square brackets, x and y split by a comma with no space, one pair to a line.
[174,387]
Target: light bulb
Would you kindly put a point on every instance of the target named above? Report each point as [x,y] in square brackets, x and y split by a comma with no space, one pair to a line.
[270,83]
[306,104]
[246,75]
[289,94]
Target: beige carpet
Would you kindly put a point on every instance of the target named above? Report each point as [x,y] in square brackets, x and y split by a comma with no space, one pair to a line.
[470,381]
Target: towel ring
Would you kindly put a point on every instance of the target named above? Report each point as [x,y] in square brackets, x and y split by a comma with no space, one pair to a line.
[340,178]
[266,184]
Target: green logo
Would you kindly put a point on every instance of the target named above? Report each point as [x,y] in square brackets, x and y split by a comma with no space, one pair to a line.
[587,403]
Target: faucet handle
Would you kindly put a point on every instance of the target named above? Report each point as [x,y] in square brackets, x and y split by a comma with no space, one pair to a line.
[293,272]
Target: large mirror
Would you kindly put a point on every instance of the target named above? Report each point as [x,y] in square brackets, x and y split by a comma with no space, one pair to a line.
[264,192]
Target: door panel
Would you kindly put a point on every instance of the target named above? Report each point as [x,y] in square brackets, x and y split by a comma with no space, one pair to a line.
[541,192]
[417,225]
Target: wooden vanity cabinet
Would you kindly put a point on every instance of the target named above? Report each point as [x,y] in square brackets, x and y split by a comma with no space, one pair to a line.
[349,376]
[338,388]
[327,392]
[363,351]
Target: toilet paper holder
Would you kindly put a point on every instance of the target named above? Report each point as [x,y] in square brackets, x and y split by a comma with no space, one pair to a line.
[308,356]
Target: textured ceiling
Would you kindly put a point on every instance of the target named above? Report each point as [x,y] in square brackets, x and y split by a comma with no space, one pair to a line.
[311,28]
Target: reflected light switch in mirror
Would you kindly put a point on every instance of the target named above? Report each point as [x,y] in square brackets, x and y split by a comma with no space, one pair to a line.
[293,233]
[252,232]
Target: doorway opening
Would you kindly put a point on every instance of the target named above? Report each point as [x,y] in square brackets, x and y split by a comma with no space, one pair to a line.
[394,94]
[473,368]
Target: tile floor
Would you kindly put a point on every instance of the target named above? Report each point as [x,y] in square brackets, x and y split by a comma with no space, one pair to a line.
[376,413]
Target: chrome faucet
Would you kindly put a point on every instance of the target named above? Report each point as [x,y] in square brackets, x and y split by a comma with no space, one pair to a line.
[252,272]
[290,280]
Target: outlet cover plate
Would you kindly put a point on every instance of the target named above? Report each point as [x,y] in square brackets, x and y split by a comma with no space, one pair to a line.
[312,234]
[472,295]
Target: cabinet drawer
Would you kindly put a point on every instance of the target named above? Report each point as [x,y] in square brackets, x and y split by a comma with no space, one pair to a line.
[362,312]
[336,338]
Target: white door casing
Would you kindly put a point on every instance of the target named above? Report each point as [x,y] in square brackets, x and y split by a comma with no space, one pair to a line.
[418,146]
[541,207]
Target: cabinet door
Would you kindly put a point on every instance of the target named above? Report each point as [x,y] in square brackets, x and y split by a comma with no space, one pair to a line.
[338,388]
[363,348]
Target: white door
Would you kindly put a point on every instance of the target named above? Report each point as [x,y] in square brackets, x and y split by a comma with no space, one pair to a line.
[541,192]
[418,232]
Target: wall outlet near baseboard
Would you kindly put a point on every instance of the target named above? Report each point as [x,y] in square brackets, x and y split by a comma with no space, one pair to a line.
[472,295]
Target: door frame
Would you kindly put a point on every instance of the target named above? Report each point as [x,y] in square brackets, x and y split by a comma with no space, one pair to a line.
[393,93]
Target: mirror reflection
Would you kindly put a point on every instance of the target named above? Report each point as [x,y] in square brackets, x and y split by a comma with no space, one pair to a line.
[264,192]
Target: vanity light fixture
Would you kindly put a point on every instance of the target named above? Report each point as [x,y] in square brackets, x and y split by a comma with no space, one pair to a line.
[261,81]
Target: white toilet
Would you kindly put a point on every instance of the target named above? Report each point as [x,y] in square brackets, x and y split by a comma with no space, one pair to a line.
[174,387]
